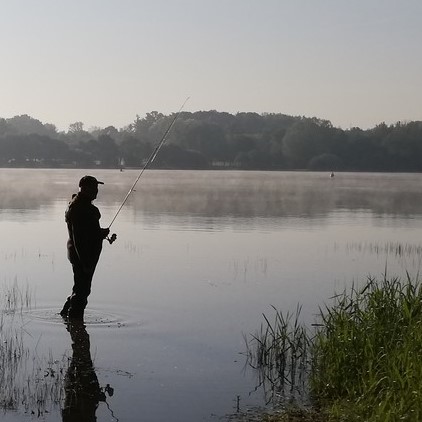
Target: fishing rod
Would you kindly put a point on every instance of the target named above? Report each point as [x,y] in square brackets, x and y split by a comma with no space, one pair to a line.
[151,158]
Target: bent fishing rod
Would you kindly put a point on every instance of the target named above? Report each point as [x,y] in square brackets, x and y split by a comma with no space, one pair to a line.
[151,158]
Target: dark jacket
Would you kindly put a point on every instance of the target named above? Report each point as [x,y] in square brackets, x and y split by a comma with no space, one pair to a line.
[85,234]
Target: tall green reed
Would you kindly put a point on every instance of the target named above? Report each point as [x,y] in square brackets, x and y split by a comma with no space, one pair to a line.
[279,354]
[366,356]
[363,363]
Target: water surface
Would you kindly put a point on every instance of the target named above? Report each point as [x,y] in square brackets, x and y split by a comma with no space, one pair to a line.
[199,257]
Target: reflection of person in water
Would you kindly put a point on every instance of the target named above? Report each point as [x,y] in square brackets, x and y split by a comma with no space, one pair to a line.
[82,390]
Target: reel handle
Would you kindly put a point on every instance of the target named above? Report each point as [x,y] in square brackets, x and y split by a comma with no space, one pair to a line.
[111,238]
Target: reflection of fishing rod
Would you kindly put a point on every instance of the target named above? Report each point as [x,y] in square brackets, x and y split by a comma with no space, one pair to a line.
[149,161]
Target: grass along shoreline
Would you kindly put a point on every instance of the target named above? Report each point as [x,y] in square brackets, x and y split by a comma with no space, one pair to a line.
[29,383]
[362,362]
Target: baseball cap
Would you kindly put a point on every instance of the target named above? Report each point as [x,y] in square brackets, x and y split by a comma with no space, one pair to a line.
[89,181]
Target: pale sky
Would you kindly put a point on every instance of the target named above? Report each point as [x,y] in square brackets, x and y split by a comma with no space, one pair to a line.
[102,62]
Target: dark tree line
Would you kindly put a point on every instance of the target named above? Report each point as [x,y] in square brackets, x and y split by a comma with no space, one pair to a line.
[211,139]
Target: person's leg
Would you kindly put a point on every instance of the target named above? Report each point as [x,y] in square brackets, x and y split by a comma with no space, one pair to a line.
[80,292]
[65,310]
[73,258]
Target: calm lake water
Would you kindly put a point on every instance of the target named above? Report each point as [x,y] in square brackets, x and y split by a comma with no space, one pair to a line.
[199,257]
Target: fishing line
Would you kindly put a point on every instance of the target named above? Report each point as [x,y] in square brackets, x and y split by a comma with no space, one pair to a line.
[148,162]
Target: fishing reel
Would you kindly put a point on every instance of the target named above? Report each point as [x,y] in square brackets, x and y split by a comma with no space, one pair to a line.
[111,238]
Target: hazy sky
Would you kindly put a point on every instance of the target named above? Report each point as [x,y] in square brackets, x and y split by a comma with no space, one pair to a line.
[102,62]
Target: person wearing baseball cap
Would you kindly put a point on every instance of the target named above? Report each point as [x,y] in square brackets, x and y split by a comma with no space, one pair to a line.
[89,180]
[84,244]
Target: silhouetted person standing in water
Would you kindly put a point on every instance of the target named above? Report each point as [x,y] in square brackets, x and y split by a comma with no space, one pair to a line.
[84,244]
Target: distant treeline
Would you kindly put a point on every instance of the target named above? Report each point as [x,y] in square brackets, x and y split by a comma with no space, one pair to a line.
[211,139]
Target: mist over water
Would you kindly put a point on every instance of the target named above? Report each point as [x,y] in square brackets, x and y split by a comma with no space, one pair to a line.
[200,255]
[221,194]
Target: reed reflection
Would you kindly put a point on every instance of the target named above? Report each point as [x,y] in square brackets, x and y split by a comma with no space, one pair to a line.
[82,389]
